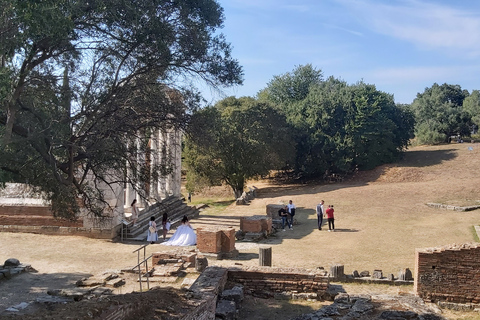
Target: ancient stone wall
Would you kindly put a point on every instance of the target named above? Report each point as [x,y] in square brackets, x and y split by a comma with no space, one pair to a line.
[66,231]
[267,281]
[448,273]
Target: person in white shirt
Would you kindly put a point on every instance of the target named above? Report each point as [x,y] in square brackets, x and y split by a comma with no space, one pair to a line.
[291,212]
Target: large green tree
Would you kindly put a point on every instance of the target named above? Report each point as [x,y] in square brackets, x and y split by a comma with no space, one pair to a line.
[236,140]
[439,113]
[81,80]
[339,127]
[471,105]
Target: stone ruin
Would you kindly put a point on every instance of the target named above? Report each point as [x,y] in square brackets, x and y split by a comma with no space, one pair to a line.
[254,228]
[247,196]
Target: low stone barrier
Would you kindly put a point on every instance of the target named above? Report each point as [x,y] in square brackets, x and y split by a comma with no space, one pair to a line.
[271,282]
[453,208]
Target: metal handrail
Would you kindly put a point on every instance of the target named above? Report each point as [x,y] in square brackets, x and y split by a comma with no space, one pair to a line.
[140,271]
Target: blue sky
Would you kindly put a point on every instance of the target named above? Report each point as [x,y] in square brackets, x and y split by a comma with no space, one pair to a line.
[401,46]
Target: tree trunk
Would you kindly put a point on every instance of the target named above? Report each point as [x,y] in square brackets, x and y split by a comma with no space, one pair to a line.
[237,193]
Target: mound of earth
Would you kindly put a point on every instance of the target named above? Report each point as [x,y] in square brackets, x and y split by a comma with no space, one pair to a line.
[157,303]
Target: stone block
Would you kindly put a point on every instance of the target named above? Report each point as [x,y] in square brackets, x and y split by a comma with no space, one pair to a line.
[226,310]
[12,262]
[201,263]
[405,275]
[365,274]
[115,283]
[209,240]
[235,294]
[377,274]
[216,239]
[256,224]
[166,270]
[228,239]
[272,210]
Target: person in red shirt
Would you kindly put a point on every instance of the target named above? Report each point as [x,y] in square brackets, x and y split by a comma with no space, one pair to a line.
[330,218]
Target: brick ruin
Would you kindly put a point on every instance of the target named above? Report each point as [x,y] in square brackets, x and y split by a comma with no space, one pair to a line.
[448,274]
[214,286]
[216,242]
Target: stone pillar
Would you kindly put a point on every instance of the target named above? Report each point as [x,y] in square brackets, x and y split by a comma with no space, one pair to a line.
[337,271]
[141,201]
[162,160]
[153,166]
[265,256]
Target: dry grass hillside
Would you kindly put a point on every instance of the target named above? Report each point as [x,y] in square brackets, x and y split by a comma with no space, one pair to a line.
[381,215]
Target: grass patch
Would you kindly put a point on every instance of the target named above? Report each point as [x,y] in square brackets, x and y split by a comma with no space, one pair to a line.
[215,206]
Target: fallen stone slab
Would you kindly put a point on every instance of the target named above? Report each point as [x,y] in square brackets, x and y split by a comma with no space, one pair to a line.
[18,307]
[90,282]
[53,299]
[76,294]
[115,283]
[166,270]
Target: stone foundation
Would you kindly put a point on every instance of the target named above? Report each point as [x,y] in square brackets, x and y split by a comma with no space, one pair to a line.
[268,282]
[448,274]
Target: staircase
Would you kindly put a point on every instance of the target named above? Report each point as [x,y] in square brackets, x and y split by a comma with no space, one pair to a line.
[173,206]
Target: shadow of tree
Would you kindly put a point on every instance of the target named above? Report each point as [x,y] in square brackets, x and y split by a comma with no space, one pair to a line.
[426,158]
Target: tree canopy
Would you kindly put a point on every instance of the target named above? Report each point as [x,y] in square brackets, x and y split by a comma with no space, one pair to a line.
[471,105]
[339,127]
[236,140]
[439,113]
[79,81]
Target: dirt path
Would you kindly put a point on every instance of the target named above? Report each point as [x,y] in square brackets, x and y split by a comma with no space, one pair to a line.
[381,217]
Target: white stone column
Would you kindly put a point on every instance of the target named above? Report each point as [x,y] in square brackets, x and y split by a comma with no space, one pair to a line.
[162,160]
[155,161]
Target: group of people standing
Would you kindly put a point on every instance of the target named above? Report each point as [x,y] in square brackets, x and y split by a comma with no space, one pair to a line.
[183,236]
[325,213]
[288,212]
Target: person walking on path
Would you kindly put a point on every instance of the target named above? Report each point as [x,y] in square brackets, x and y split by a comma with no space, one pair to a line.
[283,213]
[291,212]
[134,212]
[165,225]
[152,236]
[320,214]
[330,218]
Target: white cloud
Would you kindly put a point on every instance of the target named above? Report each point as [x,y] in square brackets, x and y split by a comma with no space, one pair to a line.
[426,24]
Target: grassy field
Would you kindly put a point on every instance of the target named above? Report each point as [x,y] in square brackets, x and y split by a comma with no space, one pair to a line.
[381,215]
[381,218]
